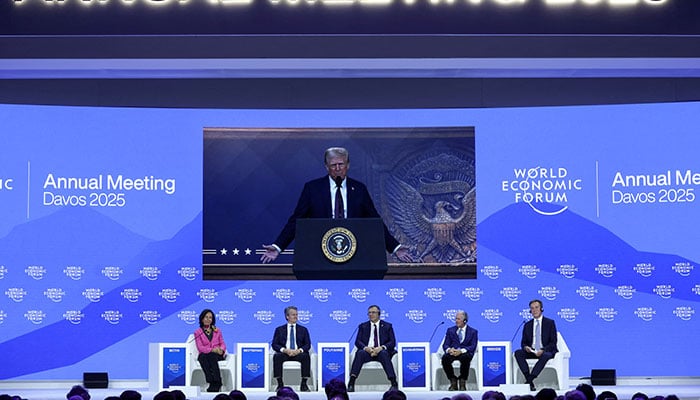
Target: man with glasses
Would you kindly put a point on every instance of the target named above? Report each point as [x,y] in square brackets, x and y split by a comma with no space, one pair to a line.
[375,341]
[333,196]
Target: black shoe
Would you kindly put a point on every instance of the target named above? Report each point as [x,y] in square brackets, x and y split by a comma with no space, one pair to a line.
[394,385]
[214,387]
[304,387]
[351,387]
[532,387]
[463,384]
[453,385]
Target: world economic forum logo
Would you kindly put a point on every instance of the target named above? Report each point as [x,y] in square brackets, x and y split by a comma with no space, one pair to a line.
[264,316]
[132,295]
[169,295]
[417,316]
[283,294]
[605,270]
[685,313]
[112,316]
[541,187]
[450,314]
[664,291]
[189,317]
[397,294]
[208,295]
[112,272]
[494,366]
[321,294]
[511,292]
[3,316]
[606,313]
[358,294]
[304,316]
[548,292]
[473,293]
[150,273]
[75,317]
[683,268]
[15,294]
[492,314]
[54,294]
[567,270]
[625,291]
[93,294]
[644,269]
[696,289]
[340,316]
[74,272]
[587,292]
[36,317]
[246,295]
[491,271]
[226,316]
[36,272]
[645,313]
[529,271]
[151,317]
[3,271]
[568,314]
[189,273]
[435,293]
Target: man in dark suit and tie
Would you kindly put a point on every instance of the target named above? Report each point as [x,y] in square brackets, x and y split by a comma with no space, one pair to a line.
[539,341]
[291,342]
[459,345]
[375,341]
[333,196]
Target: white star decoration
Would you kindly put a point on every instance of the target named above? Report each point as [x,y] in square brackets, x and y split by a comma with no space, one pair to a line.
[247,252]
[235,252]
[223,252]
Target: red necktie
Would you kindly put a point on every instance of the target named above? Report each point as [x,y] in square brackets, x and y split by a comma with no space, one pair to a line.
[376,336]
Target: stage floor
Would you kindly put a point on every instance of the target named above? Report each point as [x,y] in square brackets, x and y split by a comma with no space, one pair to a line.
[684,392]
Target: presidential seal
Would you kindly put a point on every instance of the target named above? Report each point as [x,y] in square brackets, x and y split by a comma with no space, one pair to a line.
[338,244]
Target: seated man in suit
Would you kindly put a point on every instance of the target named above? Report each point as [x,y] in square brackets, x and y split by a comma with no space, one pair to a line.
[459,345]
[333,196]
[375,341]
[291,342]
[539,341]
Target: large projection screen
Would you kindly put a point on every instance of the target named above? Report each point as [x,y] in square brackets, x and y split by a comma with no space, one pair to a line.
[590,208]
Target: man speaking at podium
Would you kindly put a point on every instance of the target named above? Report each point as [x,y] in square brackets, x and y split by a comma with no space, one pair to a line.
[333,196]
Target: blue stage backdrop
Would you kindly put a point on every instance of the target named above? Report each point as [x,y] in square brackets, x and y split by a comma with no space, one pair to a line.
[591,209]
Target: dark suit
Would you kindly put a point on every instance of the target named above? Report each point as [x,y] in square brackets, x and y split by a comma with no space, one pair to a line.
[386,340]
[315,202]
[471,337]
[303,341]
[549,347]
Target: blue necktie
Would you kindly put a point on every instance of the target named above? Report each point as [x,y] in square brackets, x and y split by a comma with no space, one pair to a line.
[461,335]
[538,334]
[292,339]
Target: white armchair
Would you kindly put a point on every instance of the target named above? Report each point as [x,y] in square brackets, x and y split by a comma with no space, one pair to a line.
[439,379]
[372,376]
[555,373]
[227,367]
[291,372]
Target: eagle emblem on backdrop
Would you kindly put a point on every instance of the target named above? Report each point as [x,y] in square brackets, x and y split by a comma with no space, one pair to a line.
[432,200]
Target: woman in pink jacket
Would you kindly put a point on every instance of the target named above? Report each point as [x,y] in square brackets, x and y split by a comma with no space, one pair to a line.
[211,347]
